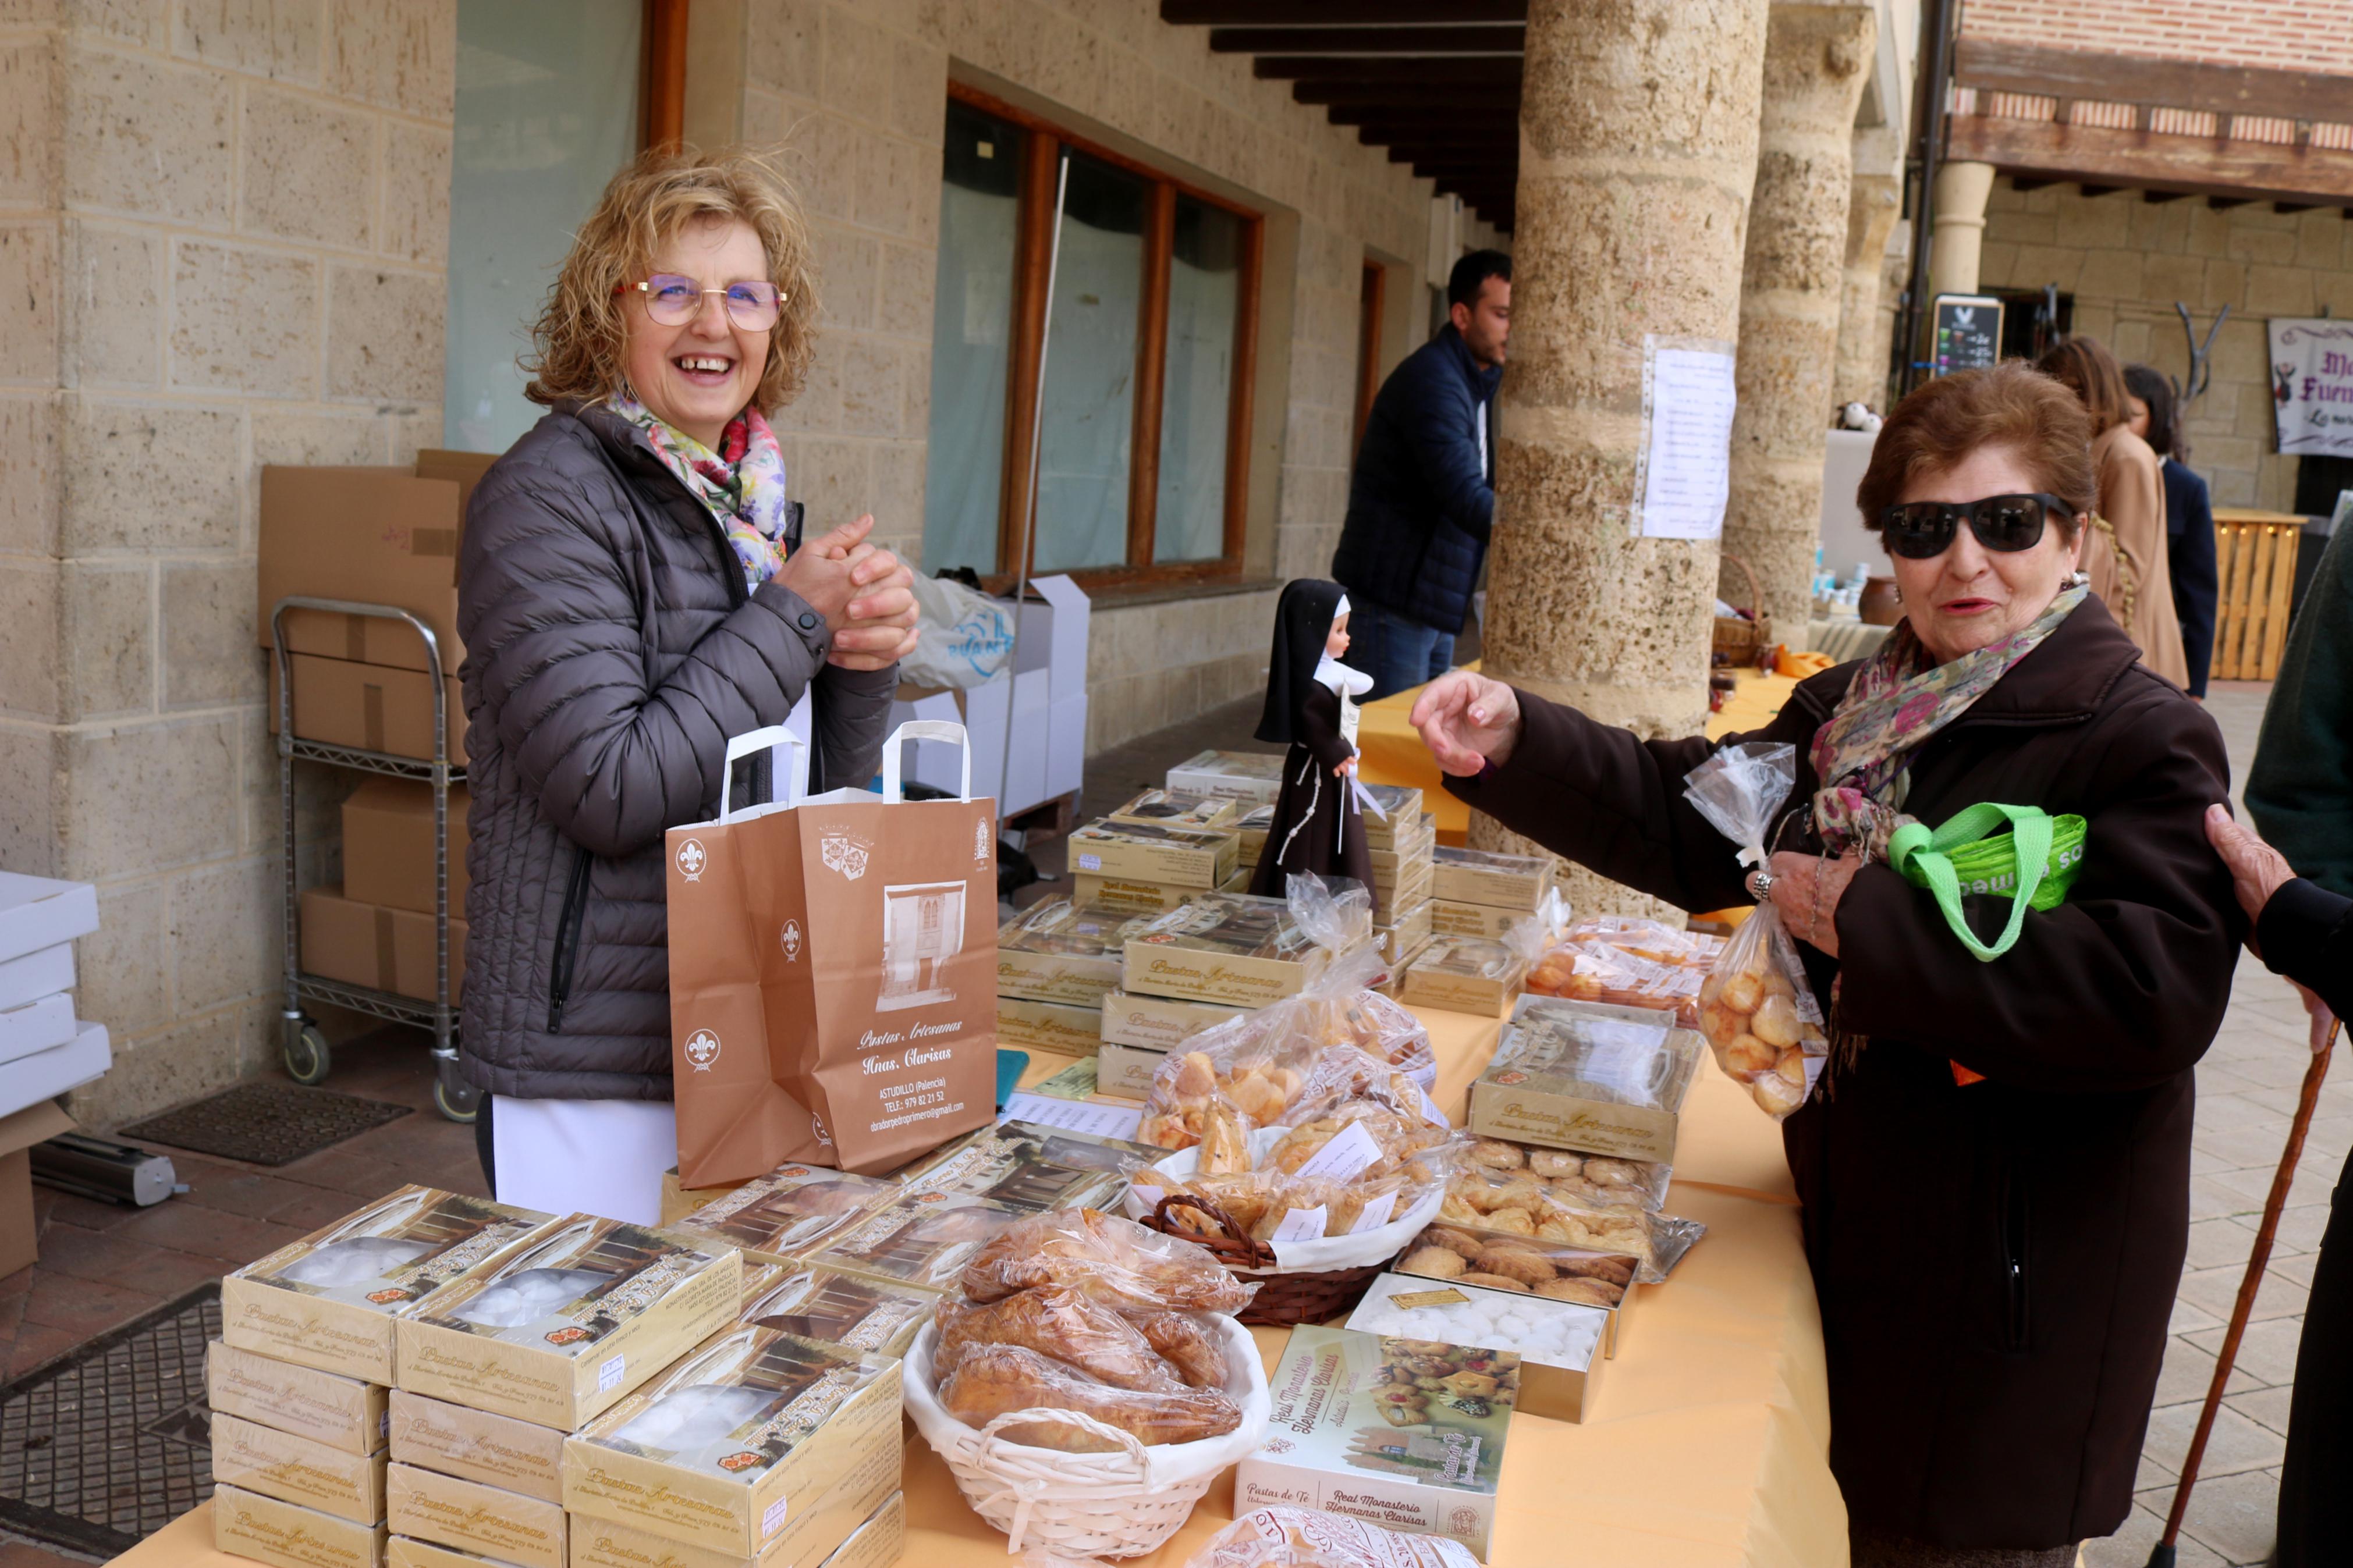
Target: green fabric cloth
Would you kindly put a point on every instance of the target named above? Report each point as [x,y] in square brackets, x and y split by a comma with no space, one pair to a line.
[2300,791]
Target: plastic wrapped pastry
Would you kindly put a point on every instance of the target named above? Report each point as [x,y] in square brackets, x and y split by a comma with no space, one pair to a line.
[1073,1329]
[1186,1343]
[1107,1256]
[1596,1181]
[1551,1270]
[999,1379]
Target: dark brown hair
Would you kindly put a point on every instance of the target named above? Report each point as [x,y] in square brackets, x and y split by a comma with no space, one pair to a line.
[2084,367]
[2010,405]
[2155,389]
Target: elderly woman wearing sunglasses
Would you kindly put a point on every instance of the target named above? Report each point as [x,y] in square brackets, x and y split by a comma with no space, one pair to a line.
[631,596]
[1995,1172]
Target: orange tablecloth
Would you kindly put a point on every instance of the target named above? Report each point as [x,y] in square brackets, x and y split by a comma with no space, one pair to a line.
[1708,1445]
[1394,754]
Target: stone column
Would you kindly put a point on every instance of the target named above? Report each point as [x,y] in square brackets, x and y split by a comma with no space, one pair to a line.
[1960,220]
[1638,148]
[1859,374]
[1792,286]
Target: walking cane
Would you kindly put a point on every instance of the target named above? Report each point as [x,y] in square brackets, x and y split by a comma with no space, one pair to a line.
[2162,1554]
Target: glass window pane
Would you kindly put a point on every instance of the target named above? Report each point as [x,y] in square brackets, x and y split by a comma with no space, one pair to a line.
[1205,277]
[972,338]
[546,109]
[1090,397]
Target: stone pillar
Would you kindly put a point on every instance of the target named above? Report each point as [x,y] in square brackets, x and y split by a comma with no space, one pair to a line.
[1792,285]
[1859,374]
[1638,148]
[1960,218]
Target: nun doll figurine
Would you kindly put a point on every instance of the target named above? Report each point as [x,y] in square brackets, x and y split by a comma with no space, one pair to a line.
[1311,707]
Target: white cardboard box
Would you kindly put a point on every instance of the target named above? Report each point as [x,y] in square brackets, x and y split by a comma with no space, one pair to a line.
[43,1074]
[37,974]
[1046,695]
[35,1026]
[40,912]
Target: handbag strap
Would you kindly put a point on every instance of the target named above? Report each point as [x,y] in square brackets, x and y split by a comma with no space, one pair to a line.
[1927,857]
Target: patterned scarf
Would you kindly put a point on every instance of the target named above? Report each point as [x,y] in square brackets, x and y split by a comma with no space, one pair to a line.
[742,483]
[1899,699]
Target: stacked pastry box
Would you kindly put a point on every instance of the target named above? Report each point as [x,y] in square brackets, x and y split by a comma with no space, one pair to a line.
[44,1051]
[1476,898]
[1403,839]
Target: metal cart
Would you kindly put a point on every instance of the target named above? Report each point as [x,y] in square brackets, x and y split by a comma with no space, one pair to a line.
[307,1058]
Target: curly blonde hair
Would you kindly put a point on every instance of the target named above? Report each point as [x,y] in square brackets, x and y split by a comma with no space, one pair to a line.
[577,342]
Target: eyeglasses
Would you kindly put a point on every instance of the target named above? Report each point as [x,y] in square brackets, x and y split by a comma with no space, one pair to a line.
[674,301]
[1923,530]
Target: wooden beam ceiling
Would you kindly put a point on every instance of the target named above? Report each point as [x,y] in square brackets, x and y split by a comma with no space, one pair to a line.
[1420,41]
[1346,13]
[2098,76]
[2226,172]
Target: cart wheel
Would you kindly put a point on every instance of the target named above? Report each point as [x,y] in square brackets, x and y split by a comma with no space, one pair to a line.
[457,1104]
[307,1058]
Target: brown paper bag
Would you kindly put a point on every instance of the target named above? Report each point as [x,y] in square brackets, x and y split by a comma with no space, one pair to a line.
[832,972]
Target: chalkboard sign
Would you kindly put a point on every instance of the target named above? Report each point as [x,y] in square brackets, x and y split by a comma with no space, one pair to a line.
[1968,333]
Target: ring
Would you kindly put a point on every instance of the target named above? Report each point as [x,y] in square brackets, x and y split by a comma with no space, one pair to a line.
[1760,883]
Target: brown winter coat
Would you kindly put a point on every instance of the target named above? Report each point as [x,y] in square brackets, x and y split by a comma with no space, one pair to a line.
[1996,1263]
[2133,573]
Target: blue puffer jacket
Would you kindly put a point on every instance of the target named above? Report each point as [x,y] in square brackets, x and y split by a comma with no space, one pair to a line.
[1421,499]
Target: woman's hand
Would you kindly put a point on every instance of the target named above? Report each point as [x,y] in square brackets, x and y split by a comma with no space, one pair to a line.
[1807,890]
[1467,720]
[864,593]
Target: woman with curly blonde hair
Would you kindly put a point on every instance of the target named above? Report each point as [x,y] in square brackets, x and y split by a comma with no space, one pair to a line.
[630,597]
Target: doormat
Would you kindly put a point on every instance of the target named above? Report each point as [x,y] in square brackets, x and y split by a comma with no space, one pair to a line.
[106,1445]
[263,1122]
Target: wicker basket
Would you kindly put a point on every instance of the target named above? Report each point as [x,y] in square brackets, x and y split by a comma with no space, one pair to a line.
[1122,1504]
[1739,640]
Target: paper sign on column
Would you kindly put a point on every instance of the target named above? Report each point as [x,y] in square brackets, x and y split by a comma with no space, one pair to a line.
[1683,475]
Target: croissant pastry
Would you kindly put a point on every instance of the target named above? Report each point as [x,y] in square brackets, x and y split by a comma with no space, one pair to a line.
[997,1380]
[1113,1259]
[1072,1329]
[1188,1346]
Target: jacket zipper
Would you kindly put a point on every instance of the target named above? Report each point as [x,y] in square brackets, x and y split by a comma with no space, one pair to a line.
[2017,1324]
[567,937]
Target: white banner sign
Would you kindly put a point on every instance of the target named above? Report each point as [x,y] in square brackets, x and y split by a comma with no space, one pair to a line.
[2312,385]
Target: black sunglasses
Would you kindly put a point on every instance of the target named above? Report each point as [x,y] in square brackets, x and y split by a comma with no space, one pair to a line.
[1923,530]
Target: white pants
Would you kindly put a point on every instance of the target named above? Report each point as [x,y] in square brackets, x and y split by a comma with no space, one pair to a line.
[586,1156]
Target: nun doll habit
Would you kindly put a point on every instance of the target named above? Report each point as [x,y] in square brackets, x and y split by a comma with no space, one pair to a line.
[1310,708]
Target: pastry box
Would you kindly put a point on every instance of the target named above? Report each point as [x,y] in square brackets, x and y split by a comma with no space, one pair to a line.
[1588,1076]
[1025,1166]
[1560,1343]
[297,1469]
[490,1522]
[1253,776]
[1356,1433]
[1253,827]
[1160,1022]
[341,1411]
[1225,948]
[330,1300]
[841,1310]
[1176,808]
[1054,951]
[1465,975]
[923,1239]
[1401,818]
[476,1446]
[812,1532]
[1502,881]
[724,1446]
[563,1323]
[287,1535]
[1125,896]
[1406,931]
[1058,1027]
[1515,1262]
[407,1552]
[786,1213]
[877,1543]
[1137,851]
[1448,916]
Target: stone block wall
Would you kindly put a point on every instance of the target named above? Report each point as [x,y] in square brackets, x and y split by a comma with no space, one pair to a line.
[223,240]
[2126,261]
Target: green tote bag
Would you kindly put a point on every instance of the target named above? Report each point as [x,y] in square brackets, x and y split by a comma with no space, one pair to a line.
[2035,862]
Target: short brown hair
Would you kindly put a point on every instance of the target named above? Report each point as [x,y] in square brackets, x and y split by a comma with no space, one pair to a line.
[577,343]
[2084,367]
[2010,405]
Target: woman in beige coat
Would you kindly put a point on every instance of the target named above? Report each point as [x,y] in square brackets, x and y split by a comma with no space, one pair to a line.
[2125,552]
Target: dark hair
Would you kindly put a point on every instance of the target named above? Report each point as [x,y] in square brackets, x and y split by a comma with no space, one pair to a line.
[1470,275]
[2084,367]
[2010,406]
[2154,387]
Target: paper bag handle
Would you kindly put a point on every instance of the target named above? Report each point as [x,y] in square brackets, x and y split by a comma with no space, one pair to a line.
[893,790]
[774,737]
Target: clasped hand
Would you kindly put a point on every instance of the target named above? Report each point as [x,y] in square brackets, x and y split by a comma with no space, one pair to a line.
[864,593]
[1807,890]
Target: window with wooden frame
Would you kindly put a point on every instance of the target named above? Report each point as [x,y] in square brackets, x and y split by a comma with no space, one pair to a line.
[1369,305]
[1127,392]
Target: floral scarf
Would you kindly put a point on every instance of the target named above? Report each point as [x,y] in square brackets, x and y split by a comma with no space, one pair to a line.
[1897,700]
[742,483]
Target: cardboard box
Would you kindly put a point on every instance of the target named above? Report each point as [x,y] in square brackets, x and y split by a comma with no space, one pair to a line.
[1407,930]
[341,1413]
[923,1239]
[1158,1023]
[1052,952]
[1046,701]
[784,1214]
[1253,776]
[1251,828]
[1401,816]
[406,1551]
[1174,808]
[1049,1026]
[678,1200]
[43,1074]
[388,846]
[19,1237]
[41,1025]
[1407,853]
[1125,1072]
[38,912]
[296,1469]
[1226,948]
[476,1446]
[1032,1168]
[1240,882]
[879,1541]
[1465,975]
[1140,852]
[328,1300]
[838,1309]
[287,1535]
[637,1299]
[370,707]
[1505,881]
[1126,895]
[723,1447]
[810,1534]
[506,1526]
[40,973]
[1557,1390]
[1451,916]
[368,944]
[1589,1077]
[1330,1444]
[1392,985]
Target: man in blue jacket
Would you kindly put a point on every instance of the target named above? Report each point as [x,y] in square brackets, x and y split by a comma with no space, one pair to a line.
[1424,490]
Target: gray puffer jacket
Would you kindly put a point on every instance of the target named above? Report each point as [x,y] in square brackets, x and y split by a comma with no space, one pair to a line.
[611,650]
